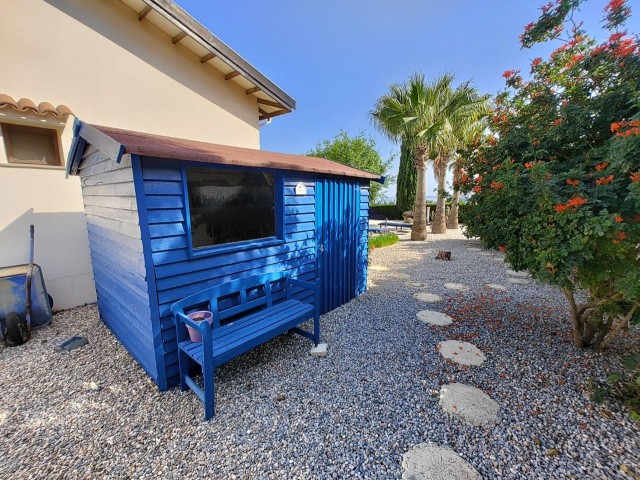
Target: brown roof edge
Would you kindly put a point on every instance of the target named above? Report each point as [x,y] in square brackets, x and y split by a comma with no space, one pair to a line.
[209,153]
[185,22]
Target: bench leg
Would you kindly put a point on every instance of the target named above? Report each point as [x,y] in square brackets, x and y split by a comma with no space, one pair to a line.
[183,366]
[316,329]
[209,392]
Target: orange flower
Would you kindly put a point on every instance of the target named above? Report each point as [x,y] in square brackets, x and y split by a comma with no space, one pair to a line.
[620,237]
[560,207]
[604,180]
[464,178]
[529,165]
[477,189]
[536,61]
[573,183]
[602,166]
[502,248]
[496,185]
[576,202]
[635,177]
[558,121]
[510,73]
[619,219]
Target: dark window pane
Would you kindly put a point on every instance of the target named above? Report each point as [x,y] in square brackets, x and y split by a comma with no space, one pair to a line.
[230,206]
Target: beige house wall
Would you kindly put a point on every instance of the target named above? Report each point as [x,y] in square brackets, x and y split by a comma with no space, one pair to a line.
[96,57]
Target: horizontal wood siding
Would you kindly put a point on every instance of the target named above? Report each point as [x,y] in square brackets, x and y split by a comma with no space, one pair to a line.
[177,275]
[117,253]
[362,248]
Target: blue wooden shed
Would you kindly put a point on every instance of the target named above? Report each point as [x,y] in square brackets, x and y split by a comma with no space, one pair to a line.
[169,217]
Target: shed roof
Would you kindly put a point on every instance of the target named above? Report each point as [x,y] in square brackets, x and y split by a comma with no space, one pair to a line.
[116,142]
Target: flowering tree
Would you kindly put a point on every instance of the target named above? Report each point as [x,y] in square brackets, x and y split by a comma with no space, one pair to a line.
[557,184]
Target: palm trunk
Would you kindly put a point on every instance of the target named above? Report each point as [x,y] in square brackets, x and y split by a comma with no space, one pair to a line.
[419,228]
[439,221]
[452,221]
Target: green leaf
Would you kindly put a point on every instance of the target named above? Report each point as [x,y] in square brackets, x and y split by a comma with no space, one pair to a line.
[613,378]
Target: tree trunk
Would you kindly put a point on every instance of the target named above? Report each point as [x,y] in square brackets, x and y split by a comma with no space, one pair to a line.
[576,324]
[419,229]
[452,221]
[439,222]
[589,325]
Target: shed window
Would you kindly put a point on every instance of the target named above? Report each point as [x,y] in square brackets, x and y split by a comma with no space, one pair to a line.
[31,145]
[230,206]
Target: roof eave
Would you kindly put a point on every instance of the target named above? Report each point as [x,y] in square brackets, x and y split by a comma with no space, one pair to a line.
[185,22]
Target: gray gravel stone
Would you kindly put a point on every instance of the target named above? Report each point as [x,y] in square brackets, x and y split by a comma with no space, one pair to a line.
[350,415]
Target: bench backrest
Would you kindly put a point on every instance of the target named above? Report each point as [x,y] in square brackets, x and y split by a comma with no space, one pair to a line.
[235,297]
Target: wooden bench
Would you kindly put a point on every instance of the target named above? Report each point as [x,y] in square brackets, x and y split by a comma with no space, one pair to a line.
[377,230]
[247,312]
[401,225]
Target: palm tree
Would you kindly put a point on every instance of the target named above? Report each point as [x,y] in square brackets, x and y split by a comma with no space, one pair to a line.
[419,113]
[455,134]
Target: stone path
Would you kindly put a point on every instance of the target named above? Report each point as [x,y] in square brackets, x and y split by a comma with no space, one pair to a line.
[434,318]
[458,287]
[463,353]
[518,281]
[427,297]
[433,462]
[470,404]
[513,273]
[467,403]
[403,276]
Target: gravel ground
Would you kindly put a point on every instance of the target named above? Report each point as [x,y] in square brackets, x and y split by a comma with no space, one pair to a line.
[282,414]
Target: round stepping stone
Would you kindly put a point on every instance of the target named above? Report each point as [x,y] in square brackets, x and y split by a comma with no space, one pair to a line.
[513,273]
[433,462]
[474,249]
[427,297]
[416,284]
[470,404]
[518,281]
[458,287]
[463,353]
[434,318]
[399,275]
[378,268]
[496,286]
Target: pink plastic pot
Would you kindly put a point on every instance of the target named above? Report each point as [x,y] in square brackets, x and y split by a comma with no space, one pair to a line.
[201,316]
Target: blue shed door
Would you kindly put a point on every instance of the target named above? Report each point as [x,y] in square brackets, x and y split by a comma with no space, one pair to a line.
[337,215]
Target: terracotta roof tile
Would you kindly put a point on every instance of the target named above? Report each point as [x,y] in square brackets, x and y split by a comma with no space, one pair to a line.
[181,149]
[26,105]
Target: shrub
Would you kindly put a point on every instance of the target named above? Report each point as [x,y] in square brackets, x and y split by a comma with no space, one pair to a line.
[558,184]
[382,240]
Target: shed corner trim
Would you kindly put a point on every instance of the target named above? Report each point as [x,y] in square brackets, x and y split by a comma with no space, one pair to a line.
[84,134]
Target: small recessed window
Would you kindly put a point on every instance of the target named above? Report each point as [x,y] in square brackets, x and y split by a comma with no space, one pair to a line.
[31,145]
[230,206]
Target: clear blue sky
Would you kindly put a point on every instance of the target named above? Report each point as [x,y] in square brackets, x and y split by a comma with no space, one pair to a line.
[336,57]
